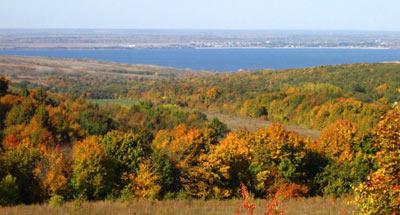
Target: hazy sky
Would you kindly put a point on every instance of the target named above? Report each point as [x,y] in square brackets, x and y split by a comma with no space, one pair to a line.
[202,14]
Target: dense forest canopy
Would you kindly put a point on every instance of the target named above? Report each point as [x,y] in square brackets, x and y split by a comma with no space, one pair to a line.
[61,147]
[311,97]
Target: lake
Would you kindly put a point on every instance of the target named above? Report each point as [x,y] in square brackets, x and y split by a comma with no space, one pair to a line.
[225,59]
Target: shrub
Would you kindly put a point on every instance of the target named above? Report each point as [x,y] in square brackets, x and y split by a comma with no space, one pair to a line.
[289,191]
[9,191]
[56,201]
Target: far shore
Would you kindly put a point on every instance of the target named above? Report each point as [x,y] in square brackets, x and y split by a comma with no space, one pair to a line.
[122,47]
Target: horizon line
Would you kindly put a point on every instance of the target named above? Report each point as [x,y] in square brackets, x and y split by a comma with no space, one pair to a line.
[201,29]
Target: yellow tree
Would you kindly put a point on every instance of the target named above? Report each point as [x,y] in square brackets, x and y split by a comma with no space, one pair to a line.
[337,140]
[228,163]
[184,147]
[144,184]
[278,158]
[380,194]
[92,176]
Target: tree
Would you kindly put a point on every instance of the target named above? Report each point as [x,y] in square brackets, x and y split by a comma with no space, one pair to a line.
[92,173]
[167,173]
[380,193]
[338,139]
[20,114]
[42,116]
[20,163]
[3,85]
[95,122]
[279,157]
[54,172]
[184,147]
[218,127]
[145,183]
[127,149]
[64,125]
[229,163]
[40,95]
[338,179]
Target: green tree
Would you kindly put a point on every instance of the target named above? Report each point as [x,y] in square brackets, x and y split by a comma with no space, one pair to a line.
[219,128]
[168,173]
[21,113]
[93,173]
[126,149]
[95,122]
[20,163]
[338,179]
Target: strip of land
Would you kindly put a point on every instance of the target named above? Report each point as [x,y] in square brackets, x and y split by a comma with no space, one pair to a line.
[40,69]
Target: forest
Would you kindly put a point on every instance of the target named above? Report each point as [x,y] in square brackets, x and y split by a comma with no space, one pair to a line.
[59,146]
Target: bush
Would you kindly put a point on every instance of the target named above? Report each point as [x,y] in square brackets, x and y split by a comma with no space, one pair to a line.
[126,194]
[289,191]
[56,201]
[9,191]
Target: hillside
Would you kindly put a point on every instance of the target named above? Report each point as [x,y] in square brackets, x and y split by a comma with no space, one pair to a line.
[157,144]
[83,77]
[56,148]
[311,97]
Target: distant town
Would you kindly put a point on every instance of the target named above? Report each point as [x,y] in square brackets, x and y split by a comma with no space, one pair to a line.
[129,39]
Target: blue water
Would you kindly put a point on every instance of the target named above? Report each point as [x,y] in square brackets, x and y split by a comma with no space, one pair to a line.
[224,59]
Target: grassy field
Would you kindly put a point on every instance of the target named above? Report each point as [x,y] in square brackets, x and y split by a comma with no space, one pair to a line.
[312,206]
[37,69]
[84,76]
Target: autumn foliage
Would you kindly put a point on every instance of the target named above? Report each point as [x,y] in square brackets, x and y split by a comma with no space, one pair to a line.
[380,193]
[57,148]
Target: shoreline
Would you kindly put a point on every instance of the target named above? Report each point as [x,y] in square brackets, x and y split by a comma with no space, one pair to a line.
[341,48]
[182,48]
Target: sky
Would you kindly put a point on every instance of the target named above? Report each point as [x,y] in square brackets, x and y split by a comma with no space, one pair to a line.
[382,15]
